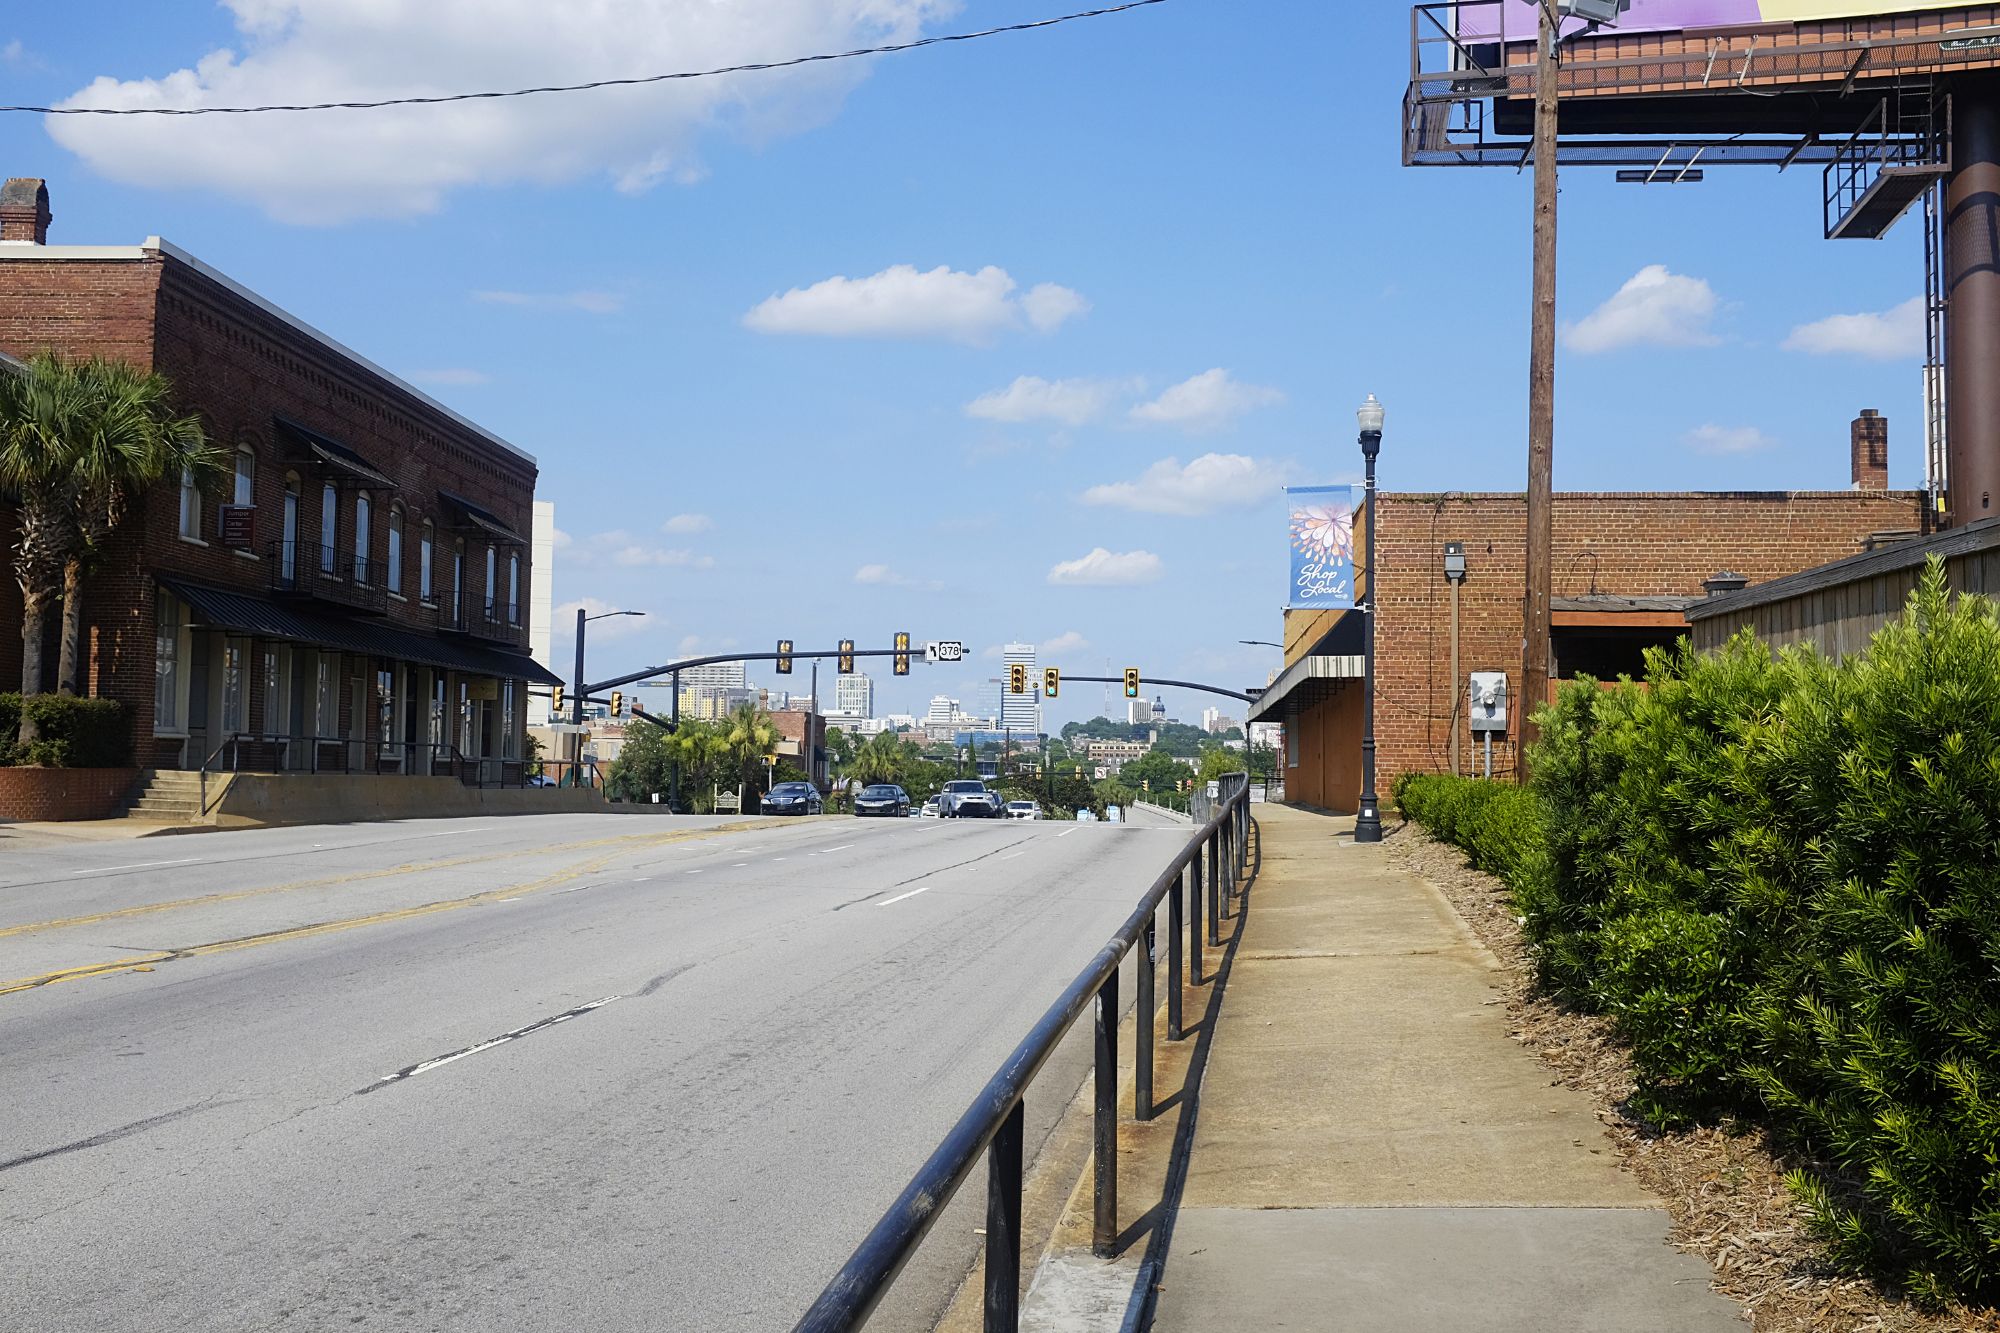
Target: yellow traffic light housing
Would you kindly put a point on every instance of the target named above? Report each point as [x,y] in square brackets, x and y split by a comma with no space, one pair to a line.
[1051,682]
[902,653]
[784,657]
[1017,678]
[1131,682]
[617,703]
[847,657]
[556,703]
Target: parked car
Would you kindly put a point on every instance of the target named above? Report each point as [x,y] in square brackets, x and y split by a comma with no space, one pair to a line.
[968,798]
[883,798]
[792,798]
[930,810]
[1023,810]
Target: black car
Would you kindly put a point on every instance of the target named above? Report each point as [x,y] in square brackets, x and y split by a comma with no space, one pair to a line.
[792,798]
[883,798]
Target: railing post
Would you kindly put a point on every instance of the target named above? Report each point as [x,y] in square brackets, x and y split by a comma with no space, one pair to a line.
[1215,850]
[1194,914]
[1003,1225]
[1104,1148]
[1228,835]
[1175,981]
[1142,1055]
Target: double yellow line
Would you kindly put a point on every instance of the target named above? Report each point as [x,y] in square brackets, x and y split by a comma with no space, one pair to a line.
[146,962]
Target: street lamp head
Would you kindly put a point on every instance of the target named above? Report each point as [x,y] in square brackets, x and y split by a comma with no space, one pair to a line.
[1371,416]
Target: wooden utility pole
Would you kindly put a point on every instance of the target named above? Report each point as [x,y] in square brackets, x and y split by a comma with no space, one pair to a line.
[1541,393]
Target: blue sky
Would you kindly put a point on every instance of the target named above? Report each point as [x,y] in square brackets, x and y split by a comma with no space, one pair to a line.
[1107,287]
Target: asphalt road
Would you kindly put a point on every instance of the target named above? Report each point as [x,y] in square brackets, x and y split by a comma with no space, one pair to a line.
[562,1072]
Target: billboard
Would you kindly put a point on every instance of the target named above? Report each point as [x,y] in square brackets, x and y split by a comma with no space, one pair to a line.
[1475,20]
[1321,530]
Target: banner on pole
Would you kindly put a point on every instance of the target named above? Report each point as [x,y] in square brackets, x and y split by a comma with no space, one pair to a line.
[1322,541]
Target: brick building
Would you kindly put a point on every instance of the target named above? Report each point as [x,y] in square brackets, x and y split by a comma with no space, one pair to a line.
[356,599]
[1626,568]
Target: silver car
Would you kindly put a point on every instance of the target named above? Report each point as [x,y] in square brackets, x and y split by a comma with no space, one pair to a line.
[968,798]
[1023,810]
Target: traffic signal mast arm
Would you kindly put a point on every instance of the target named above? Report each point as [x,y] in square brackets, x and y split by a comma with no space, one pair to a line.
[1171,684]
[651,673]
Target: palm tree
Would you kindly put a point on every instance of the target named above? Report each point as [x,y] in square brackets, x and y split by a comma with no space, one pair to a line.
[77,440]
[750,735]
[880,760]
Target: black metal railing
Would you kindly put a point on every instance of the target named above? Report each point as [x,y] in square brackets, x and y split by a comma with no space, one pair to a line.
[326,574]
[499,622]
[995,1122]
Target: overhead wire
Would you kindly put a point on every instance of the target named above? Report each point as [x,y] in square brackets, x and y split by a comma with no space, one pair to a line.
[594,84]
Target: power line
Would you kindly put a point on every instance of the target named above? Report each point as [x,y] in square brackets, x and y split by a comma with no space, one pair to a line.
[585,87]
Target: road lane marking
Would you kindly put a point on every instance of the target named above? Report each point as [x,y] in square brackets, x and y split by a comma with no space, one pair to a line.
[843,848]
[1015,857]
[426,1066]
[1065,833]
[891,902]
[142,865]
[695,871]
[739,865]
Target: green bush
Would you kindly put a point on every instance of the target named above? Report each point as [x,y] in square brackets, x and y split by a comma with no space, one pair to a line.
[1777,875]
[75,733]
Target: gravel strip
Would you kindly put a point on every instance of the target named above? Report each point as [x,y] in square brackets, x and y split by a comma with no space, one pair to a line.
[1723,1185]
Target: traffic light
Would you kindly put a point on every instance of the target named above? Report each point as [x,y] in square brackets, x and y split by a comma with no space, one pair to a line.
[1079,772]
[1131,682]
[1146,785]
[1017,678]
[556,702]
[847,657]
[1051,682]
[902,653]
[784,657]
[617,703]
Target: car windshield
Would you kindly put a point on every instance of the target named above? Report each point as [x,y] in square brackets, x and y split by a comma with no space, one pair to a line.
[964,786]
[880,793]
[1020,805]
[790,789]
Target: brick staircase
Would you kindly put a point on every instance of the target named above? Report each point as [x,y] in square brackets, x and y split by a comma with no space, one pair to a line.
[167,796]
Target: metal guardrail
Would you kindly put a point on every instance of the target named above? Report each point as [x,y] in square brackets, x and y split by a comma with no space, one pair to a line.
[995,1122]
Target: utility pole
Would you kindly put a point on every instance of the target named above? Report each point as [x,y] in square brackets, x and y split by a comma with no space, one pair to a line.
[1541,390]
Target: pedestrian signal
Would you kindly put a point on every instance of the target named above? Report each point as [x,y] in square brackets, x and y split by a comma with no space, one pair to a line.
[1051,682]
[784,657]
[902,653]
[1131,682]
[1017,678]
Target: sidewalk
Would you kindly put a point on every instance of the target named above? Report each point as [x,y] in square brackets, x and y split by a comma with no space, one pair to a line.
[1373,1152]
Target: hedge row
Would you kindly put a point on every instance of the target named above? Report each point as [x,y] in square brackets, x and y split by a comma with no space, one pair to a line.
[1780,877]
[75,733]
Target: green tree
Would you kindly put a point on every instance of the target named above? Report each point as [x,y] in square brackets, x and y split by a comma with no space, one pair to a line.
[882,759]
[78,439]
[641,767]
[750,735]
[1164,772]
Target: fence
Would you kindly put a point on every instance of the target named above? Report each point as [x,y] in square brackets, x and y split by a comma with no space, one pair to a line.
[995,1122]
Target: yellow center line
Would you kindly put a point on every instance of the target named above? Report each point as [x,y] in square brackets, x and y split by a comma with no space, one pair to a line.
[146,962]
[638,841]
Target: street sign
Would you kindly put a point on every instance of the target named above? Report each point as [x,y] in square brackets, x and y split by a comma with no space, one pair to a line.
[944,650]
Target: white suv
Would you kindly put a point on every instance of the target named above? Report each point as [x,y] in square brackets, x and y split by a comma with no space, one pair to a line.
[1023,810]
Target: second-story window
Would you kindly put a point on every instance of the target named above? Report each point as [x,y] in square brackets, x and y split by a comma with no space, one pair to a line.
[246,476]
[190,507]
[513,589]
[425,588]
[395,548]
[492,557]
[329,526]
[361,536]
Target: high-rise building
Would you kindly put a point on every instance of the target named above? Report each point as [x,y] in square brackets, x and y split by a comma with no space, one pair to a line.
[1022,713]
[943,712]
[1138,713]
[855,694]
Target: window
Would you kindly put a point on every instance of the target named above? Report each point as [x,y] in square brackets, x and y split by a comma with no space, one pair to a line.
[274,694]
[235,690]
[424,588]
[458,581]
[246,476]
[326,699]
[361,536]
[395,548]
[190,507]
[329,526]
[385,707]
[288,542]
[491,557]
[513,589]
[166,664]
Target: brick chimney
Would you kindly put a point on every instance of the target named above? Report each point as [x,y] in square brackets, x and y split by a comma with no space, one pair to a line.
[24,211]
[1869,437]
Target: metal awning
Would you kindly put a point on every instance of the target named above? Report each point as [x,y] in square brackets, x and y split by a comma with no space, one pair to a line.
[1303,683]
[333,454]
[249,614]
[481,520]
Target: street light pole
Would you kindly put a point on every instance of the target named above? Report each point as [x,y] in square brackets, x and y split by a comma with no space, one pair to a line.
[576,699]
[1541,386]
[1368,822]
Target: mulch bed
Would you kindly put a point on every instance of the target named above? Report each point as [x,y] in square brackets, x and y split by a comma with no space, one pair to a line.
[1724,1186]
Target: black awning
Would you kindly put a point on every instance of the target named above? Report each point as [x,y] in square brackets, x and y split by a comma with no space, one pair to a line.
[250,614]
[333,454]
[472,516]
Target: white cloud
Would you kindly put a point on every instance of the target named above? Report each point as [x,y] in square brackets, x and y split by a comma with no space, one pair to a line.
[621,548]
[684,524]
[882,576]
[637,556]
[1890,335]
[591,302]
[459,376]
[689,645]
[1032,398]
[1655,308]
[15,55]
[330,167]
[562,540]
[1714,439]
[1209,401]
[612,627]
[1105,569]
[900,302]
[1209,483]
[1069,641]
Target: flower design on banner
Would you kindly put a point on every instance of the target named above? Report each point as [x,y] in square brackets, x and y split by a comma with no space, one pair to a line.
[1323,531]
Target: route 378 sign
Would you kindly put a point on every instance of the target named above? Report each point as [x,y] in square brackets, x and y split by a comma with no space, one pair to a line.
[944,650]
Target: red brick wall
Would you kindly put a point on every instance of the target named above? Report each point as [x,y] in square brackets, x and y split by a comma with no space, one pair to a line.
[237,365]
[64,793]
[1630,544]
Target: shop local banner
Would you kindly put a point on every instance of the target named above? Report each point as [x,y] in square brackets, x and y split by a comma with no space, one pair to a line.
[1322,538]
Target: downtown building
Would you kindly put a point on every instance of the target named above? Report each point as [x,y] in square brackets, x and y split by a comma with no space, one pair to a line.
[1021,714]
[357,596]
[854,696]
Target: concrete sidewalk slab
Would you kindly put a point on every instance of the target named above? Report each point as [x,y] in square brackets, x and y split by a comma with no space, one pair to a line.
[1373,1150]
